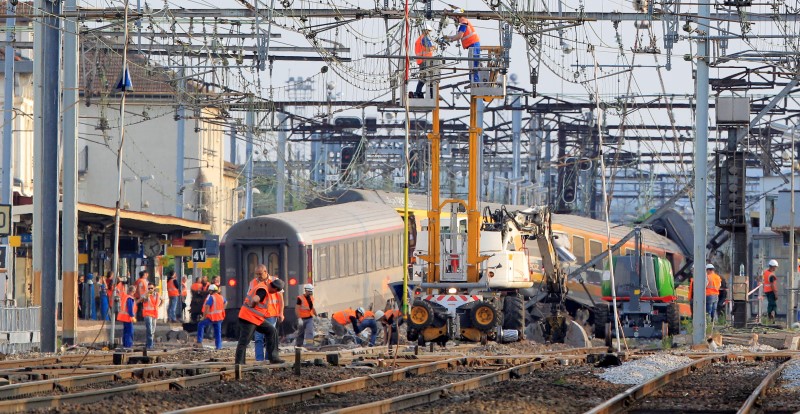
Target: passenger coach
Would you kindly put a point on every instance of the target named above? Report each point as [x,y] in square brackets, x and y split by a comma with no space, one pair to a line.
[350,252]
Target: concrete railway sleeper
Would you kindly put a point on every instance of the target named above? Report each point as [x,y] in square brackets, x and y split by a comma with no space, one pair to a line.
[719,383]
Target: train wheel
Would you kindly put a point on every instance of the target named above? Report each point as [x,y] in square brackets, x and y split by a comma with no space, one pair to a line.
[484,316]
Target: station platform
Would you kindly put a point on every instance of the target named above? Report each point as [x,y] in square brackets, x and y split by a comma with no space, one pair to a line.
[91,331]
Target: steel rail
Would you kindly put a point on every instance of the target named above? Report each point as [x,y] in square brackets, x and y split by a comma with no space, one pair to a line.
[54,401]
[267,401]
[407,401]
[63,384]
[623,400]
[754,401]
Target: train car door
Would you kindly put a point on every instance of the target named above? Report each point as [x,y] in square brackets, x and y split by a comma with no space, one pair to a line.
[269,255]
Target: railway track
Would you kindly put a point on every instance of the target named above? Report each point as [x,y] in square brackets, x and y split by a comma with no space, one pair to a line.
[723,383]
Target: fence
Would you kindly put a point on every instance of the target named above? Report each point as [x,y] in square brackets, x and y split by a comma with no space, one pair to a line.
[19,329]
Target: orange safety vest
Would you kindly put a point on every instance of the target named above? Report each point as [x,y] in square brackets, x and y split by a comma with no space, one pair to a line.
[123,315]
[217,311]
[768,285]
[141,288]
[185,291]
[343,317]
[304,308]
[196,286]
[470,35]
[258,313]
[713,283]
[367,315]
[172,290]
[150,306]
[273,304]
[420,50]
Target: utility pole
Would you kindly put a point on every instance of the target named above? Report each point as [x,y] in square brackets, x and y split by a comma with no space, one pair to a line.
[45,220]
[280,165]
[516,131]
[700,177]
[69,215]
[8,130]
[181,149]
[248,166]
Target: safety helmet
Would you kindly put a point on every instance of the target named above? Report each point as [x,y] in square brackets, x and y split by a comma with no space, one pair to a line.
[773,263]
[427,27]
[308,287]
[709,266]
[212,288]
[457,10]
[360,310]
[378,314]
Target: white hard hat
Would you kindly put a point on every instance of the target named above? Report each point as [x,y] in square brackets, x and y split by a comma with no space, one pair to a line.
[309,287]
[378,314]
[773,262]
[212,288]
[360,310]
[709,266]
[428,27]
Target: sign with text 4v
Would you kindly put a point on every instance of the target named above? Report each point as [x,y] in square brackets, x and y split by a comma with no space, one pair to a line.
[5,220]
[199,255]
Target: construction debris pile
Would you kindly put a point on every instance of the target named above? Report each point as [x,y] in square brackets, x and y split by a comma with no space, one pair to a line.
[640,370]
[791,375]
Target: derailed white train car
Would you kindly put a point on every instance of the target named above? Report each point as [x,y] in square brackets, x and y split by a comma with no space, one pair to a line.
[350,252]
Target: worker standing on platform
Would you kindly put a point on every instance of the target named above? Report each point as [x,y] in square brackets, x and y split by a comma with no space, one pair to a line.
[423,47]
[150,303]
[253,315]
[127,315]
[713,283]
[305,313]
[469,39]
[771,289]
[141,290]
[363,320]
[173,292]
[103,297]
[340,320]
[213,314]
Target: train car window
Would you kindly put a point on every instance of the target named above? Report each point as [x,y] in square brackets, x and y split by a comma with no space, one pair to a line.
[595,248]
[351,259]
[579,249]
[369,254]
[361,258]
[252,263]
[273,264]
[630,252]
[321,263]
[343,259]
[398,250]
[387,251]
[333,261]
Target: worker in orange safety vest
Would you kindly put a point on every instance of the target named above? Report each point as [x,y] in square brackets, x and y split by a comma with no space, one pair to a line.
[213,314]
[150,304]
[127,315]
[340,320]
[305,313]
[469,38]
[771,289]
[423,47]
[713,283]
[253,317]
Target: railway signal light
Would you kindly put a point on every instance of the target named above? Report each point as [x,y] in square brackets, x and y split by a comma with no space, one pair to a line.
[347,157]
[570,187]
